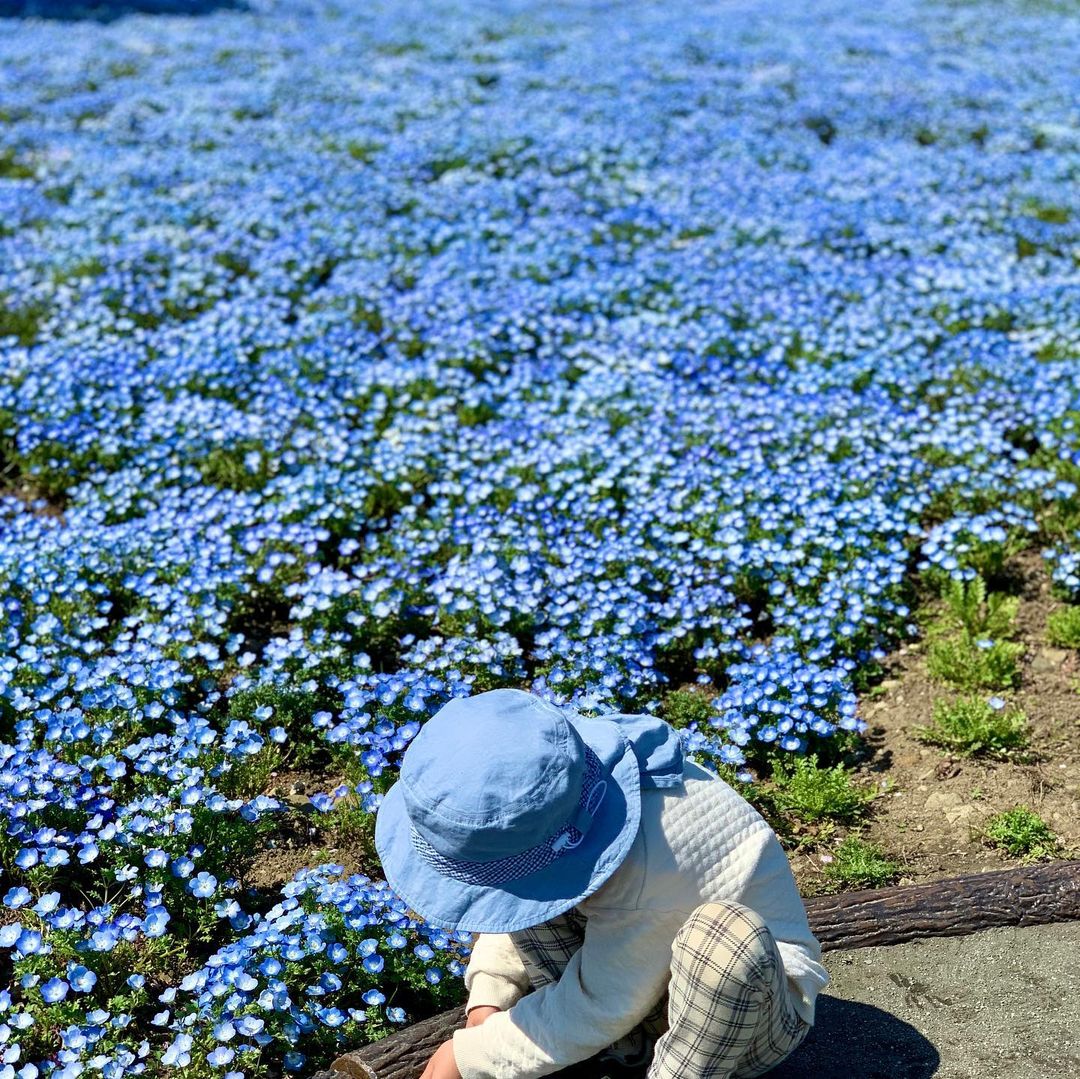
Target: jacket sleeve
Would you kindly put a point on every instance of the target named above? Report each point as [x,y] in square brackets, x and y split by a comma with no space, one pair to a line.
[495,974]
[772,892]
[609,985]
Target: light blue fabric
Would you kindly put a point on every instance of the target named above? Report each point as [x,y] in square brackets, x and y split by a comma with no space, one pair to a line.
[510,810]
[656,745]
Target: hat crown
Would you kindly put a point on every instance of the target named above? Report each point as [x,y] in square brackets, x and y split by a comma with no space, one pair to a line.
[491,776]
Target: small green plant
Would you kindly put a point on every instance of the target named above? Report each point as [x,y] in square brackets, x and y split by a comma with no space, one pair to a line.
[1021,832]
[970,608]
[681,707]
[814,793]
[971,726]
[1063,627]
[970,644]
[974,662]
[855,861]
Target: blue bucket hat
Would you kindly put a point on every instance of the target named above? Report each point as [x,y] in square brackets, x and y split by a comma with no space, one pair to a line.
[510,810]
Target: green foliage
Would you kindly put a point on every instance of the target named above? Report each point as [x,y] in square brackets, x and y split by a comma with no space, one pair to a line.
[971,726]
[362,150]
[1022,832]
[228,466]
[857,862]
[22,323]
[970,608]
[970,663]
[11,168]
[813,792]
[293,706]
[682,707]
[1063,627]
[970,644]
[249,776]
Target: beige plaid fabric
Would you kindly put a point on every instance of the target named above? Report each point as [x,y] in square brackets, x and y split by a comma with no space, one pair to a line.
[727,1012]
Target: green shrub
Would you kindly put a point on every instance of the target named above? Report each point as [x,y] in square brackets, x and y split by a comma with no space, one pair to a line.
[856,861]
[970,645]
[1063,627]
[974,663]
[972,725]
[970,608]
[813,793]
[1021,832]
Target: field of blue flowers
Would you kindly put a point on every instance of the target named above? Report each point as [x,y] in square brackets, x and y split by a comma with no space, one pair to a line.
[358,356]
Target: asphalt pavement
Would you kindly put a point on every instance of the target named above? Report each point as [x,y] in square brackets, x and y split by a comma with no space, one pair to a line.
[1000,1004]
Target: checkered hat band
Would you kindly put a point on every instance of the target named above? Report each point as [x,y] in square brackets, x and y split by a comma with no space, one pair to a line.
[517,865]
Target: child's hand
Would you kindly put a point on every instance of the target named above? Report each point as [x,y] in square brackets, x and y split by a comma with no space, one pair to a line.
[442,1064]
[478,1014]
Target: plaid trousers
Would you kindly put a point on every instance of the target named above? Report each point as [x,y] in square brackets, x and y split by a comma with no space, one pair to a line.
[727,1012]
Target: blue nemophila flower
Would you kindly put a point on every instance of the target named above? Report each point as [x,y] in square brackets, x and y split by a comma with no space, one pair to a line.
[332,1017]
[202,885]
[47,903]
[295,473]
[156,921]
[55,989]
[28,942]
[81,979]
[178,1053]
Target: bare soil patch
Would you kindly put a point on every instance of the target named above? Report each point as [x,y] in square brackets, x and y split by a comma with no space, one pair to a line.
[934,804]
[304,837]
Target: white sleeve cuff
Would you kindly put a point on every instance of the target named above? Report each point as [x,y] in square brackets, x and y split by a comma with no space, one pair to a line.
[493,990]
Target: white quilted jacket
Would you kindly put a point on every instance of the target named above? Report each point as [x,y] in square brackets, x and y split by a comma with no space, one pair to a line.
[696,844]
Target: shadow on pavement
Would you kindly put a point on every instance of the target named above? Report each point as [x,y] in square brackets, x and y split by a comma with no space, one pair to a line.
[858,1041]
[107,10]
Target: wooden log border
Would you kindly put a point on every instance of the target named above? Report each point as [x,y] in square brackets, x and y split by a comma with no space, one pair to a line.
[1032,895]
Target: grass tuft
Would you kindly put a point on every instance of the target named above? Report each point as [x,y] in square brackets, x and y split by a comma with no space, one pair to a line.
[972,726]
[975,663]
[814,793]
[858,862]
[971,608]
[1021,832]
[1063,627]
[970,645]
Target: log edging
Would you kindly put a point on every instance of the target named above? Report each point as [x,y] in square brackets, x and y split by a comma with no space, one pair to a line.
[1030,895]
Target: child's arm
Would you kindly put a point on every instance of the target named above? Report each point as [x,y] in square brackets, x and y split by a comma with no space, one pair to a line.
[495,975]
[609,985]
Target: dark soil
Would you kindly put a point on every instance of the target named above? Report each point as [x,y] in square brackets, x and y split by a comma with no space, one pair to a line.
[304,837]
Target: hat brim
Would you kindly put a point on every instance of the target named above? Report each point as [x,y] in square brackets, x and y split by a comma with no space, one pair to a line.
[518,904]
